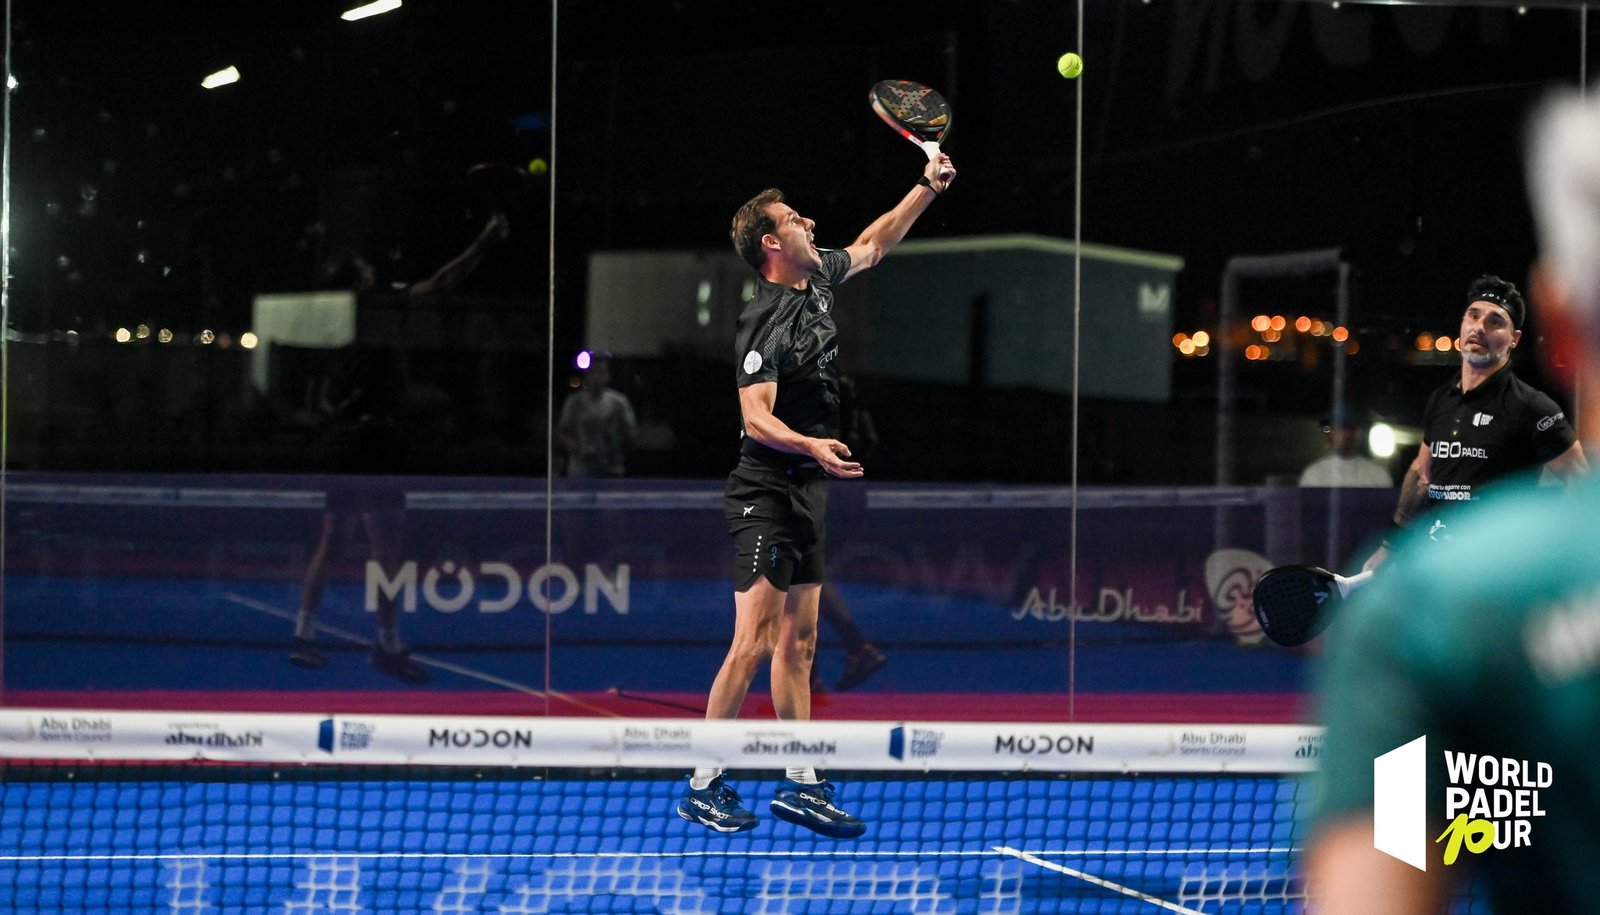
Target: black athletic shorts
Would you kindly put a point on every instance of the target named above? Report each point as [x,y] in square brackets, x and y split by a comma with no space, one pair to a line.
[778,522]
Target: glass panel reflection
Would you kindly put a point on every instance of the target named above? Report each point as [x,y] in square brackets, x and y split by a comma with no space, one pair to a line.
[282,358]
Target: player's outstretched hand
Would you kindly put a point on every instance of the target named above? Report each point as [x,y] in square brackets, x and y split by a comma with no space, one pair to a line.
[831,454]
[497,228]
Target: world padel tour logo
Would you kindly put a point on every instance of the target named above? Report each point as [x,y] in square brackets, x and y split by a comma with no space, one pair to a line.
[1489,802]
[915,743]
[344,734]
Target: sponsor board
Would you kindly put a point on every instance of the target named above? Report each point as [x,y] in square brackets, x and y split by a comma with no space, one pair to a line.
[657,743]
[111,735]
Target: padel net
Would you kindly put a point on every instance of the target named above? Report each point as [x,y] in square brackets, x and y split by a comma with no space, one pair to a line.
[205,812]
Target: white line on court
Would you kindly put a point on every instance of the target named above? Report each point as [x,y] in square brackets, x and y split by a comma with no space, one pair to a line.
[1097,881]
[996,851]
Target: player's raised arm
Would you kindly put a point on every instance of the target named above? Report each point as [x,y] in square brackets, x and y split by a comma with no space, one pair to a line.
[879,238]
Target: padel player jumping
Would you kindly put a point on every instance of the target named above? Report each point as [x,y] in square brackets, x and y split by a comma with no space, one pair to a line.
[1485,424]
[776,497]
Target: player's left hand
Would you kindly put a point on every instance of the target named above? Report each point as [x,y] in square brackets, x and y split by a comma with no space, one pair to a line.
[831,454]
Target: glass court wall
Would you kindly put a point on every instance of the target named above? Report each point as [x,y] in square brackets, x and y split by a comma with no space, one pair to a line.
[297,304]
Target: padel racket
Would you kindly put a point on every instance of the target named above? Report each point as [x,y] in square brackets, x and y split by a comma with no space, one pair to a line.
[1295,603]
[916,112]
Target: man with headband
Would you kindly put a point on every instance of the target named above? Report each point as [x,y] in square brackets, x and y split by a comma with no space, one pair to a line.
[1485,649]
[1486,423]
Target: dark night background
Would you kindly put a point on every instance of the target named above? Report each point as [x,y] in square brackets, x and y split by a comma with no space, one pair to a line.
[1211,129]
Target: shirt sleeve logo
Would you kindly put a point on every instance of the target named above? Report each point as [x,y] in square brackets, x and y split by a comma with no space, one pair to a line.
[1545,424]
[752,362]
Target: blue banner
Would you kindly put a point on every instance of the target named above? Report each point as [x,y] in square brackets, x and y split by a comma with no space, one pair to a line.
[193,585]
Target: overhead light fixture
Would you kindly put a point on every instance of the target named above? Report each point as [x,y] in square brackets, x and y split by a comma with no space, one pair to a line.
[370,9]
[221,78]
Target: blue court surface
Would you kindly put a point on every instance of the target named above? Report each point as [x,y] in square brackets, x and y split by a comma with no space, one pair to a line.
[285,840]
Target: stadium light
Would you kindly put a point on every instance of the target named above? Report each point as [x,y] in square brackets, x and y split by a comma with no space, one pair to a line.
[221,78]
[370,9]
[1381,440]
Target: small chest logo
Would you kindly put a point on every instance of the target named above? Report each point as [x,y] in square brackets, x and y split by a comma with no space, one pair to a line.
[1481,419]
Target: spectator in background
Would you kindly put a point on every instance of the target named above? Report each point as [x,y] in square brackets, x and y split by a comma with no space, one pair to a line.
[597,426]
[1346,466]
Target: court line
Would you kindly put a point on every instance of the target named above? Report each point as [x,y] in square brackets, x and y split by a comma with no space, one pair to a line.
[991,852]
[1135,852]
[1097,881]
[251,603]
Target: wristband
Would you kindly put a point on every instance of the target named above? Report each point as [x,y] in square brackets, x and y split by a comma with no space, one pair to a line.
[928,184]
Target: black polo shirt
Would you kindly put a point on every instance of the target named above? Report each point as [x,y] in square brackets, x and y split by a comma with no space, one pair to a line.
[788,336]
[1500,427]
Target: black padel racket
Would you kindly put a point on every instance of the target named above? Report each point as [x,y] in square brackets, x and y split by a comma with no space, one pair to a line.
[1295,603]
[916,112]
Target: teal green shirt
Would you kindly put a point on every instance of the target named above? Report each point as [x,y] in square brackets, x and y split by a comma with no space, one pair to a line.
[1486,644]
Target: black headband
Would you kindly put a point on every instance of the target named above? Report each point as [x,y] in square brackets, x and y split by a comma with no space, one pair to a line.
[1513,307]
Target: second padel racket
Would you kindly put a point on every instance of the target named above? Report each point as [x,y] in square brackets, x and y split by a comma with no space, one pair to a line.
[1294,604]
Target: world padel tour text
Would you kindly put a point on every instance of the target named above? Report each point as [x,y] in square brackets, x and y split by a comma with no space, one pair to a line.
[1491,800]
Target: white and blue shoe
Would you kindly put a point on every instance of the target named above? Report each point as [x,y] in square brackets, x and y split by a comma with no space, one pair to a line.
[716,806]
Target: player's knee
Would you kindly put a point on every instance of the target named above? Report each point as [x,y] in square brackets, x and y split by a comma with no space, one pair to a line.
[754,645]
[800,648]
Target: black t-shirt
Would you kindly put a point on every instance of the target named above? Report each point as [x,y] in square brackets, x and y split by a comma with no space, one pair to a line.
[788,336]
[1500,427]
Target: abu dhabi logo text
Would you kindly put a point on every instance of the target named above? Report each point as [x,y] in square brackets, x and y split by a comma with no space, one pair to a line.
[1489,802]
[1215,744]
[213,737]
[75,729]
[657,738]
[794,746]
[1114,607]
[1309,746]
